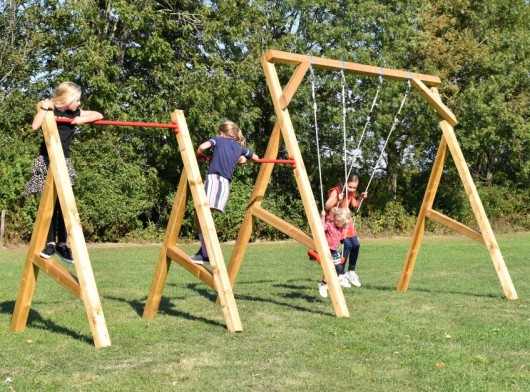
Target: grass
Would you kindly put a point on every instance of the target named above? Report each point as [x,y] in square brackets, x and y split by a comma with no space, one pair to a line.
[452,331]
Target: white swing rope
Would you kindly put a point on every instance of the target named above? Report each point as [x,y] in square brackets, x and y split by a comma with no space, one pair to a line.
[312,80]
[366,125]
[394,124]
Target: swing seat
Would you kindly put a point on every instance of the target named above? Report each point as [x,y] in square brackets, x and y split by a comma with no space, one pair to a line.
[313,255]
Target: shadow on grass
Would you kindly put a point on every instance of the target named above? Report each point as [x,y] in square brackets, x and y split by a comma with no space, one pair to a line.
[35,320]
[431,291]
[297,291]
[166,307]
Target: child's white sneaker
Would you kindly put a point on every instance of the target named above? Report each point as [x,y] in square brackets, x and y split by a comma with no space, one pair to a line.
[344,282]
[323,289]
[353,278]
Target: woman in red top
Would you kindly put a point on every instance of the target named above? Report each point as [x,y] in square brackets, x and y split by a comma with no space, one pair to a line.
[337,198]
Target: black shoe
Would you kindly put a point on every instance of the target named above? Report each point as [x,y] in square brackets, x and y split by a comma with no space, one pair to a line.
[64,253]
[48,251]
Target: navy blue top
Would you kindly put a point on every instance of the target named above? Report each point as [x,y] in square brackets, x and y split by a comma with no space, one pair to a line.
[66,131]
[226,153]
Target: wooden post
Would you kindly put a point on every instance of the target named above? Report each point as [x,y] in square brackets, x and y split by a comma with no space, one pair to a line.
[191,183]
[58,185]
[486,235]
[310,207]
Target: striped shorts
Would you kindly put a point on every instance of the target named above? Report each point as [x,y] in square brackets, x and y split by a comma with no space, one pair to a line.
[217,190]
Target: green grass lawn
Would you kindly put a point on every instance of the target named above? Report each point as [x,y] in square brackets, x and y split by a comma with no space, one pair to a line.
[452,331]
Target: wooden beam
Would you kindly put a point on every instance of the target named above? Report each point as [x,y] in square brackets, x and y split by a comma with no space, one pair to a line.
[306,193]
[209,232]
[276,56]
[60,274]
[256,197]
[170,237]
[87,283]
[283,226]
[455,225]
[419,229]
[435,102]
[37,242]
[181,258]
[480,213]
[292,85]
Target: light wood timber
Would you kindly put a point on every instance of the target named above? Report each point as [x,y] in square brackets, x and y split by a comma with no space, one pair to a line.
[181,258]
[60,274]
[276,56]
[426,205]
[480,213]
[170,237]
[31,271]
[87,283]
[310,207]
[455,225]
[283,226]
[58,186]
[435,102]
[256,198]
[292,85]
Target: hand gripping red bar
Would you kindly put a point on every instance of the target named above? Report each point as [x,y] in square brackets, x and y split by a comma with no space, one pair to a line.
[290,161]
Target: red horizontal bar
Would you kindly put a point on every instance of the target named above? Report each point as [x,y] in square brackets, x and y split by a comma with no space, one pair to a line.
[263,160]
[286,161]
[124,123]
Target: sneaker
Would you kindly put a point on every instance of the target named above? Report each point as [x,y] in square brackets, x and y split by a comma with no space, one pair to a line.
[343,281]
[353,278]
[48,251]
[199,259]
[64,253]
[323,289]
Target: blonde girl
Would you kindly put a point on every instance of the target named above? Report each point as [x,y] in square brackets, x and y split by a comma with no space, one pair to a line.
[338,219]
[65,103]
[228,148]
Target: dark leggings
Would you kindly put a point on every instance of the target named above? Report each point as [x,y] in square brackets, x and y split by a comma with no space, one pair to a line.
[351,248]
[57,224]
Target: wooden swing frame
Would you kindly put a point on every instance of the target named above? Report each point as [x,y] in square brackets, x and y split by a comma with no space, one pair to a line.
[425,85]
[83,286]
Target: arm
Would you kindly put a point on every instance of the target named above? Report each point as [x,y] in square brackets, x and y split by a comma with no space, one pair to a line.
[333,199]
[244,158]
[41,113]
[87,116]
[203,148]
[356,202]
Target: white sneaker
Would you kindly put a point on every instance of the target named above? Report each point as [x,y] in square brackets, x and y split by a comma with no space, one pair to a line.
[199,259]
[353,278]
[323,289]
[344,282]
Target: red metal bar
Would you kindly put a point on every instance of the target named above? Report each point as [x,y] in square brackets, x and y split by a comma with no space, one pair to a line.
[125,123]
[284,161]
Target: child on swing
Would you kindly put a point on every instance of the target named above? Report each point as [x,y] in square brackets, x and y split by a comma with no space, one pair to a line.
[64,104]
[227,151]
[337,220]
[343,197]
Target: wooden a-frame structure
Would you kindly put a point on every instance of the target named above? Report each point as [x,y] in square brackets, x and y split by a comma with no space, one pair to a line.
[83,285]
[425,85]
[217,278]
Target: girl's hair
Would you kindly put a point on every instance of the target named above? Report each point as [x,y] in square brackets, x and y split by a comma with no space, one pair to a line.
[231,130]
[351,177]
[341,214]
[66,93]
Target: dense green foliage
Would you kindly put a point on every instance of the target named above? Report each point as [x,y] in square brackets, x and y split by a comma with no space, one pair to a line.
[138,60]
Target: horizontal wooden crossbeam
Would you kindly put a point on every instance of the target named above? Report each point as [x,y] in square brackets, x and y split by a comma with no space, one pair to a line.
[276,56]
